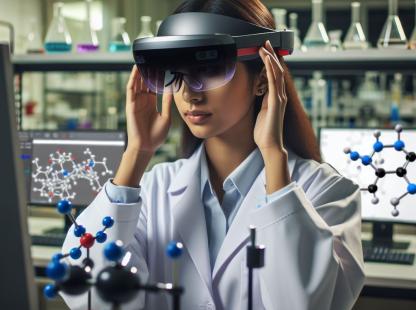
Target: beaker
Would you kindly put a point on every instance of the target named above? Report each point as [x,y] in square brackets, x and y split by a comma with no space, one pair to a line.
[293,25]
[316,37]
[145,27]
[355,38]
[120,40]
[279,18]
[57,37]
[392,34]
[89,41]
[412,41]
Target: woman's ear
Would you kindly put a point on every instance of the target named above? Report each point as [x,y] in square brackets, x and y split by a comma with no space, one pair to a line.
[260,83]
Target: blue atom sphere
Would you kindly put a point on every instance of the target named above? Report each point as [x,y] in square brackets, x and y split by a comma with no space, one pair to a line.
[399,145]
[114,250]
[56,270]
[378,146]
[50,291]
[411,188]
[174,249]
[57,257]
[366,160]
[75,253]
[354,155]
[108,221]
[79,231]
[101,237]
[64,206]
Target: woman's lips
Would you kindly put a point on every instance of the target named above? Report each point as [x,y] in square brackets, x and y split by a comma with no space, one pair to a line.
[198,119]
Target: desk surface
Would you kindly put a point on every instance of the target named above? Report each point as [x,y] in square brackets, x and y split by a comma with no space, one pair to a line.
[377,274]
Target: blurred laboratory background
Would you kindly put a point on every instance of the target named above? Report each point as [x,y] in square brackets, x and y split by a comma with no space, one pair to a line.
[354,66]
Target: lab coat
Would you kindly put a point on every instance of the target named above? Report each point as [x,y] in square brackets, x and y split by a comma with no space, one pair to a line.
[312,236]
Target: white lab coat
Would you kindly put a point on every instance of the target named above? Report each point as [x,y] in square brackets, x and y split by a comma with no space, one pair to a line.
[312,236]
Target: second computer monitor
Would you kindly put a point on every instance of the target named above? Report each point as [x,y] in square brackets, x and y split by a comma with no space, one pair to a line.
[69,165]
[332,143]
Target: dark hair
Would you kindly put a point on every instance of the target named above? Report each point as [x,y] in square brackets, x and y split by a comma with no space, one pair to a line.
[298,132]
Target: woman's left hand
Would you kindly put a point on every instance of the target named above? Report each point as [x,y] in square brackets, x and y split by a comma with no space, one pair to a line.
[268,131]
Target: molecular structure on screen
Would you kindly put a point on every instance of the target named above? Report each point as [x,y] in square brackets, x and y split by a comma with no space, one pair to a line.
[114,284]
[57,181]
[401,172]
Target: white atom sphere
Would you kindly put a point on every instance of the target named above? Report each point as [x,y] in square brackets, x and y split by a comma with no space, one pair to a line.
[395,212]
[394,201]
[377,133]
[398,128]
[347,150]
[375,200]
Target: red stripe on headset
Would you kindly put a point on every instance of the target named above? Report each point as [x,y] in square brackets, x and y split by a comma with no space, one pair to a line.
[254,50]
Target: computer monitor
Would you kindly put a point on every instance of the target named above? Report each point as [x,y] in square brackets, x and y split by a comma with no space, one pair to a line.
[71,165]
[18,289]
[332,143]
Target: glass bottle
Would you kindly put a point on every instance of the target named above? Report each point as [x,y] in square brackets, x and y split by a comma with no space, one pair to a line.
[412,41]
[279,18]
[57,37]
[392,34]
[316,37]
[293,25]
[120,40]
[355,38]
[145,27]
[89,41]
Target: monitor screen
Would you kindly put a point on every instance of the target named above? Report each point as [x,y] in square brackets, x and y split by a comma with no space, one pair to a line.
[332,144]
[71,165]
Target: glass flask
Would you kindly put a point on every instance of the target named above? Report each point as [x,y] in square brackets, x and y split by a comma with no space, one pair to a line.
[412,41]
[120,40]
[279,18]
[89,41]
[293,25]
[145,27]
[355,38]
[57,37]
[392,34]
[316,37]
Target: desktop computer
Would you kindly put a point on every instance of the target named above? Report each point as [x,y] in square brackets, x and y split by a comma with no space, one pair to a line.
[332,141]
[16,267]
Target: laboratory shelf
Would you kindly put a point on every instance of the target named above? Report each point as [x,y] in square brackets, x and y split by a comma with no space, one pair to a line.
[343,62]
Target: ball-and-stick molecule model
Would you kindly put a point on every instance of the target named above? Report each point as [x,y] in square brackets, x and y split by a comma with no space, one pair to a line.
[401,172]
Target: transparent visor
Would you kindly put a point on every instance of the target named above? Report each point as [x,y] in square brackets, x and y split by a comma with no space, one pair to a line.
[198,78]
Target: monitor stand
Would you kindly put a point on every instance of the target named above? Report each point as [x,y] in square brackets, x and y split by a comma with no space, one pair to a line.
[383,237]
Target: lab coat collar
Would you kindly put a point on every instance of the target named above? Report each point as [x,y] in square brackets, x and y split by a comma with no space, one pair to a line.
[189,218]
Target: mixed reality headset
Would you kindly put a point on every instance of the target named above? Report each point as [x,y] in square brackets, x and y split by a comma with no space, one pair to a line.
[202,49]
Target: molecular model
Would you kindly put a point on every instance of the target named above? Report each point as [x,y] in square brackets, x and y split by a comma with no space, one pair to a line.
[57,181]
[401,172]
[115,284]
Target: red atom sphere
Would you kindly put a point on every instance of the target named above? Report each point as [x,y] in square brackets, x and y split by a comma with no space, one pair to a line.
[87,240]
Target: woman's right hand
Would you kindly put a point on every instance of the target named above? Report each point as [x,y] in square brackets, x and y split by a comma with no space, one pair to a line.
[147,128]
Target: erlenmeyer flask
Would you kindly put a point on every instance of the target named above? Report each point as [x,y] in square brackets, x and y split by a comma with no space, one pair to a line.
[279,18]
[120,40]
[316,37]
[293,25]
[412,41]
[355,38]
[145,27]
[89,40]
[58,38]
[392,34]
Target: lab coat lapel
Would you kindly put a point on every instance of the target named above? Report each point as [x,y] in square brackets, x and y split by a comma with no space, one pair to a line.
[238,232]
[189,217]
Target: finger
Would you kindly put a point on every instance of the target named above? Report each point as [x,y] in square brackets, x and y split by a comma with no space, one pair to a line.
[280,74]
[270,73]
[130,88]
[270,49]
[166,105]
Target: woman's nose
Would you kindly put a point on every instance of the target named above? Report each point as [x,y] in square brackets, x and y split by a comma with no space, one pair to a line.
[189,95]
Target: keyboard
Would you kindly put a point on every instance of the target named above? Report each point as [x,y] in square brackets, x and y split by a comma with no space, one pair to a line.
[55,240]
[382,254]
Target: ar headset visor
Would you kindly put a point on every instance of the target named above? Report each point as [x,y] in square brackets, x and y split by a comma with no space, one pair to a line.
[202,49]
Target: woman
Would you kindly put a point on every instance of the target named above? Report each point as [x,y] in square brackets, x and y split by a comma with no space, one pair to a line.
[253,160]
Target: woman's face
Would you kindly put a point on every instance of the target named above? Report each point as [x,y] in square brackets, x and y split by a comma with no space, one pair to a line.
[227,105]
